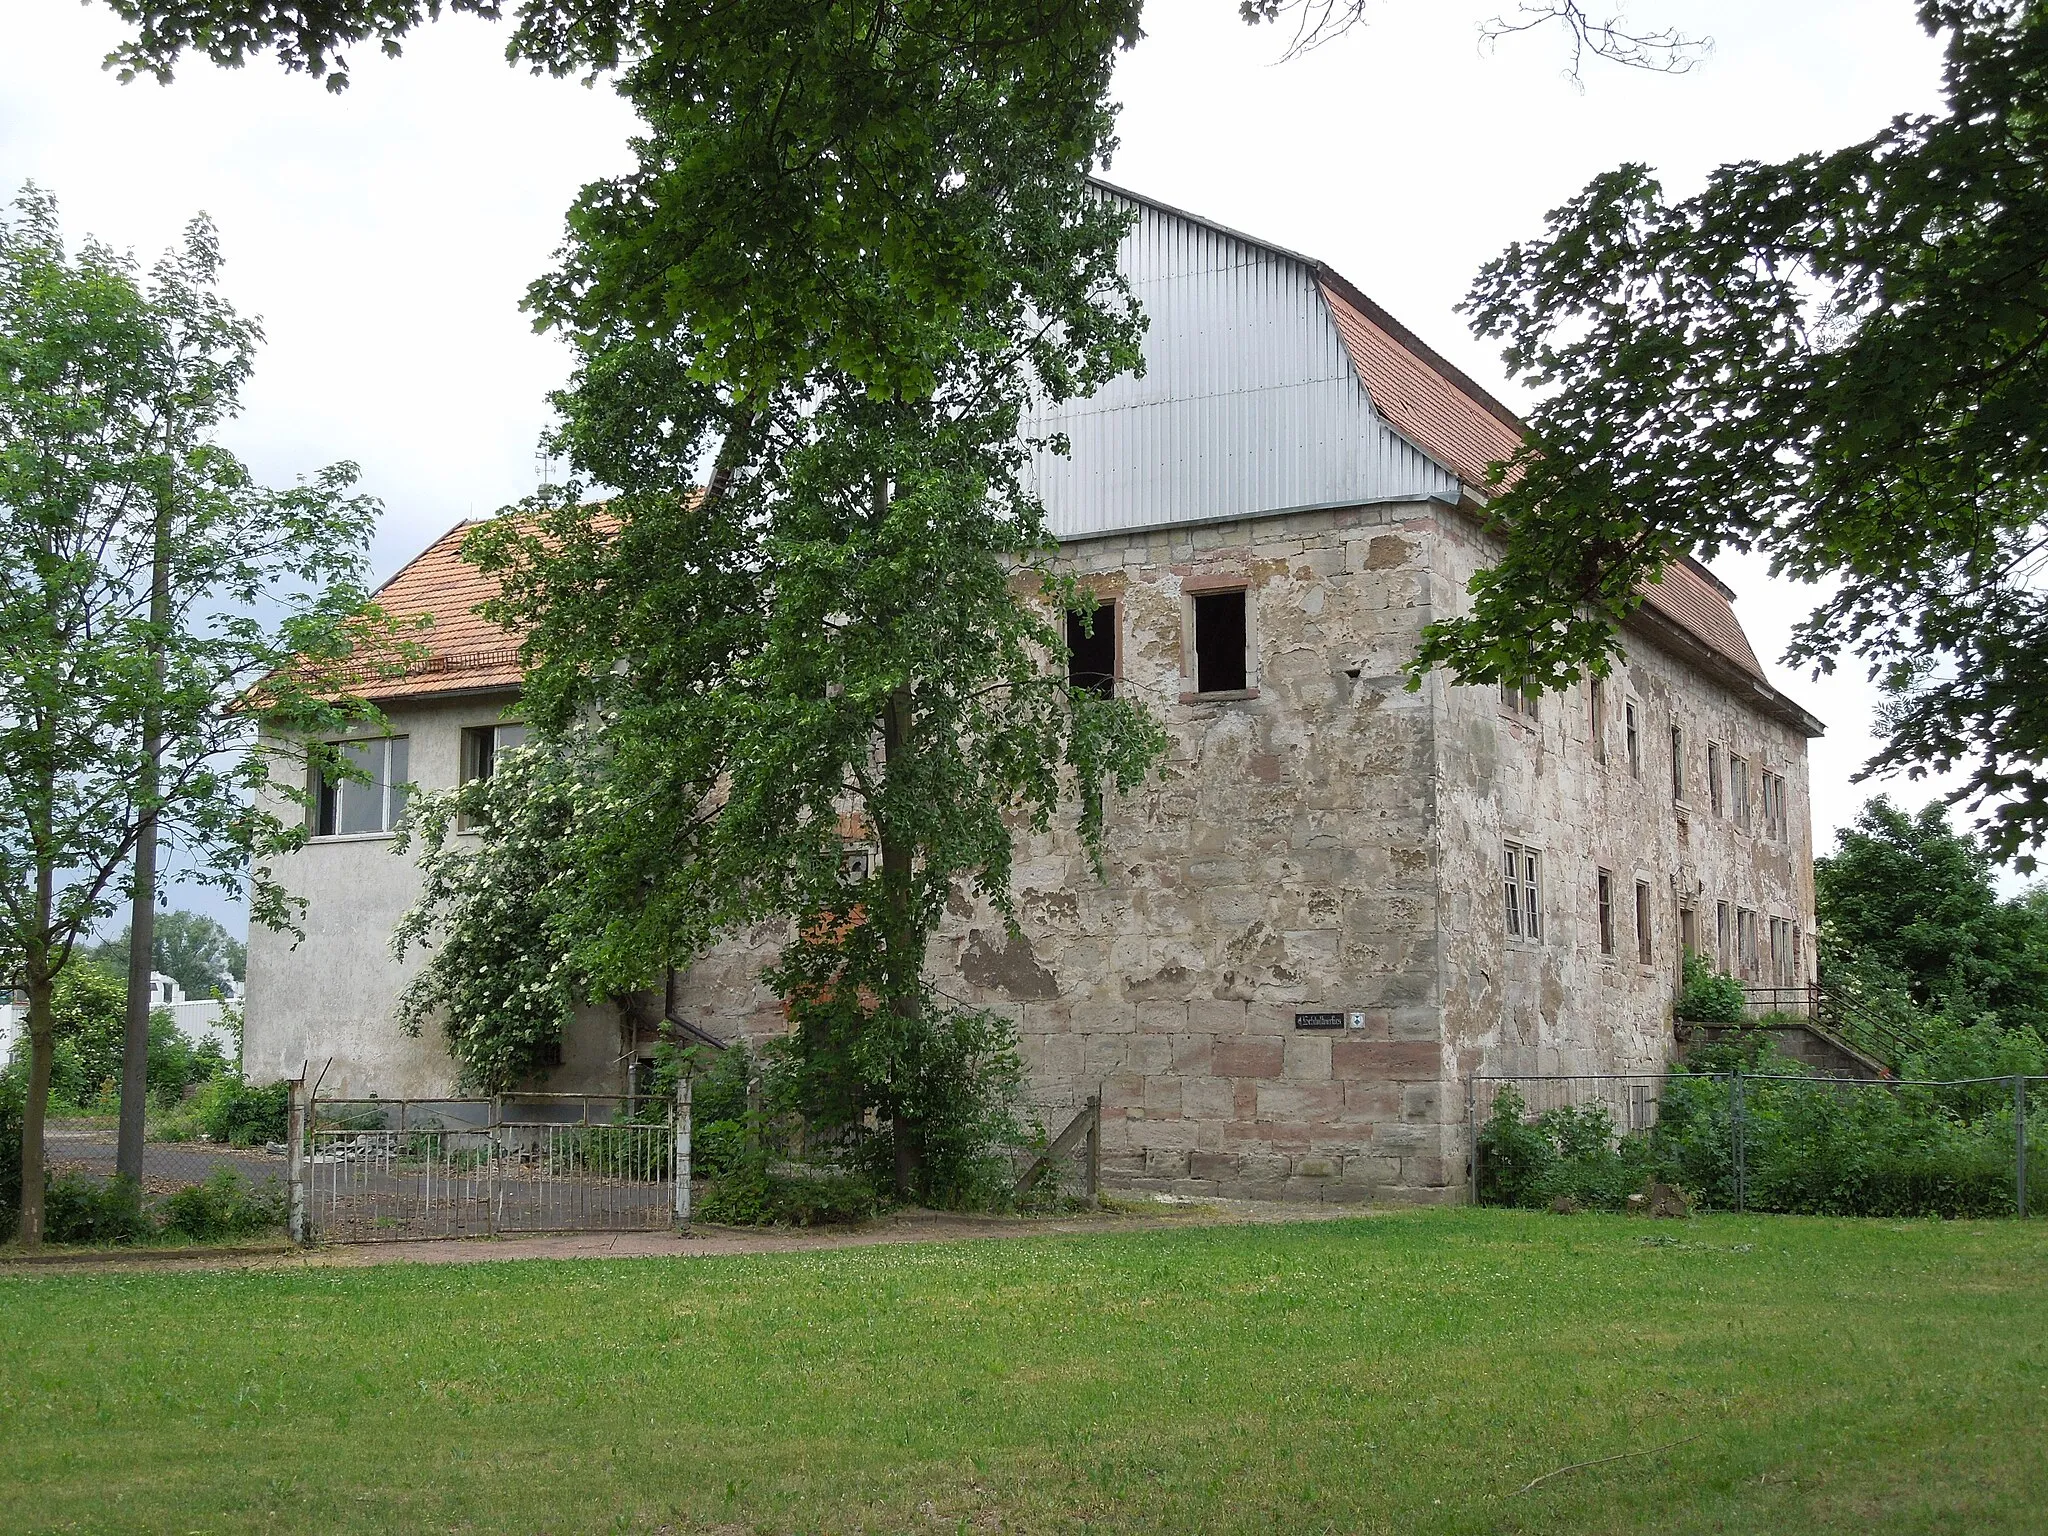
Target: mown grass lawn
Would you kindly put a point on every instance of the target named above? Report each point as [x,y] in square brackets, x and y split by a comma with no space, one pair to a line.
[1403,1373]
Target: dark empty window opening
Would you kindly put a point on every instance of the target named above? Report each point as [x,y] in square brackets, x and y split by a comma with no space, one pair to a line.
[1220,642]
[1091,650]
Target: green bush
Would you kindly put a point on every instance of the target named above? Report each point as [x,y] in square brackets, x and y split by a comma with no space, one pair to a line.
[225,1206]
[79,1209]
[757,1195]
[229,1111]
[1706,996]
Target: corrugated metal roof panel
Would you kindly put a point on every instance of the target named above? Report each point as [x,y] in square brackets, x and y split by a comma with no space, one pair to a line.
[1249,403]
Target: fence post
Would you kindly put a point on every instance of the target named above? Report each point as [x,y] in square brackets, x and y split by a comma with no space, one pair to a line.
[680,1118]
[2019,1139]
[295,1160]
[1093,1172]
[497,1118]
[1472,1125]
[1740,1138]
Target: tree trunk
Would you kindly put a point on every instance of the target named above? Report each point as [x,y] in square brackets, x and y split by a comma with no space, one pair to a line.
[42,1041]
[903,962]
[142,918]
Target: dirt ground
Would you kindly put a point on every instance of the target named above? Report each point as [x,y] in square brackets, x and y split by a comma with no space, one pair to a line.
[1126,1214]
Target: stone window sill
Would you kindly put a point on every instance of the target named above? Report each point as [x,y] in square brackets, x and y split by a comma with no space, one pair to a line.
[1223,696]
[350,837]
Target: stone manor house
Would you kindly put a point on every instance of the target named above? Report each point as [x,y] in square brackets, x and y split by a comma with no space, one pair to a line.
[1341,898]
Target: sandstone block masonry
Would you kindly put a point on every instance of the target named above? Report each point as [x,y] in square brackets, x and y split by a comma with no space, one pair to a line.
[1324,841]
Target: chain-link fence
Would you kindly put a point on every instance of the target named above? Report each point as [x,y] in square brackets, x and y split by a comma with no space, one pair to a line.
[1733,1141]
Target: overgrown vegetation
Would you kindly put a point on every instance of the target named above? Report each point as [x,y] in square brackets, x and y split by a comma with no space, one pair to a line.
[1809,1145]
[1707,996]
[85,1210]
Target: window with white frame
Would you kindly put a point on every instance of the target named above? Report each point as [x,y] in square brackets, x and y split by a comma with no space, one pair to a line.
[358,807]
[1522,889]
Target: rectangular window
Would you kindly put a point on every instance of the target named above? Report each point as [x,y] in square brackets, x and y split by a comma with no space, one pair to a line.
[1646,949]
[1714,777]
[1774,806]
[1605,883]
[1220,642]
[1721,937]
[1091,650]
[1738,789]
[481,745]
[1688,933]
[1518,700]
[353,808]
[1783,973]
[1596,716]
[1677,765]
[1522,888]
[1747,962]
[1633,738]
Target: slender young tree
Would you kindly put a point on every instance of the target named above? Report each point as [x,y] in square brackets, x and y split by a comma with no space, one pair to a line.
[135,554]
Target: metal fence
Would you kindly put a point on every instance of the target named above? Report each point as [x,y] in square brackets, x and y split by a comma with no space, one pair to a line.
[385,1169]
[84,1146]
[1819,1145]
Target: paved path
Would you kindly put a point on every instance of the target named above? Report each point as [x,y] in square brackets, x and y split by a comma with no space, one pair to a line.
[710,1242]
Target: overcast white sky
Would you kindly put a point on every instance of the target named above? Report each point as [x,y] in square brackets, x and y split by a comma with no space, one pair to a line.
[385,235]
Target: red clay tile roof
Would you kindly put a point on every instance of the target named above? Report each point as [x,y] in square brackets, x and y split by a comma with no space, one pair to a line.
[1463,428]
[1426,400]
[1691,598]
[466,651]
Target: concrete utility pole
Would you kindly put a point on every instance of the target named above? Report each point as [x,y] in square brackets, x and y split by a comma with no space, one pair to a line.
[142,913]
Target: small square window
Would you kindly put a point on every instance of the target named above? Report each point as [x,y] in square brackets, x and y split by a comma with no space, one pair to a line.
[1221,641]
[1519,700]
[1091,650]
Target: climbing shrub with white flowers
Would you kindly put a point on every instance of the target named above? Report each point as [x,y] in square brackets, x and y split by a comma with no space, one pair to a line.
[498,979]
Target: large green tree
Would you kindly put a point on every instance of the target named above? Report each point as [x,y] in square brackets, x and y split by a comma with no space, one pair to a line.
[122,645]
[856,619]
[1914,896]
[194,950]
[1839,361]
